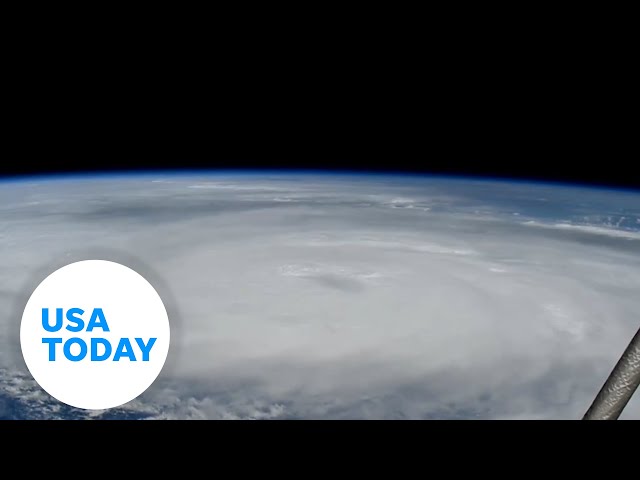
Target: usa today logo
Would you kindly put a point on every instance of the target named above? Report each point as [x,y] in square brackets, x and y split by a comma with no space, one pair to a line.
[95,334]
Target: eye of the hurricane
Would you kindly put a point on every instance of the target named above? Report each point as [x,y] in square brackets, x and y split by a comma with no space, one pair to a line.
[344,296]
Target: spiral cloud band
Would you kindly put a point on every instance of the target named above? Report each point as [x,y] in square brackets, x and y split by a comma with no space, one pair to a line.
[337,296]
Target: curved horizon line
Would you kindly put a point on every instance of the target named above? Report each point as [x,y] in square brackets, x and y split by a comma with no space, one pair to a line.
[149,172]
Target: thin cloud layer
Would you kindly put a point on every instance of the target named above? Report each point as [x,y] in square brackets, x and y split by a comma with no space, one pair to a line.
[346,297]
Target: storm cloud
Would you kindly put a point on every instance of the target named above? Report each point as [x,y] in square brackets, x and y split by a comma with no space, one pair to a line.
[344,297]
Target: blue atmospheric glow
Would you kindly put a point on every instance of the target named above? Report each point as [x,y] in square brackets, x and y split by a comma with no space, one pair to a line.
[342,173]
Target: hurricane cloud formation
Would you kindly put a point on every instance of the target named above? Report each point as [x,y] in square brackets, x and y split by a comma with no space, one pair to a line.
[301,296]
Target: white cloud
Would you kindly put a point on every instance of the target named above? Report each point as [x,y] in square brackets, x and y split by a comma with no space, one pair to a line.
[335,305]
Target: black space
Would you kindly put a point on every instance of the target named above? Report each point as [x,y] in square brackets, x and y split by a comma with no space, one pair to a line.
[552,112]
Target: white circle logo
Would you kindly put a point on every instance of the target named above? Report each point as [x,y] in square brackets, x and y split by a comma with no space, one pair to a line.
[95,334]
